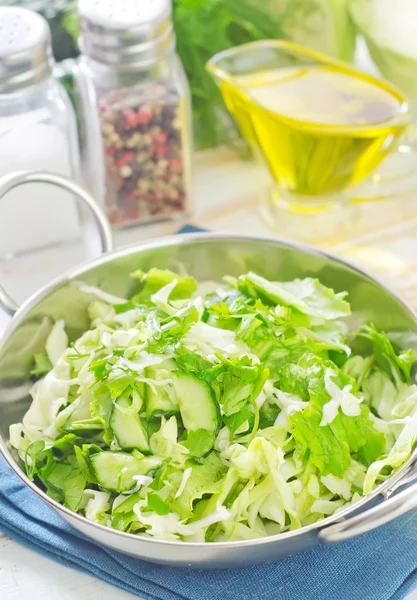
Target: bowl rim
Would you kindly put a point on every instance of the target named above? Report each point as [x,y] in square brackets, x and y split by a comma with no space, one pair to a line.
[384,489]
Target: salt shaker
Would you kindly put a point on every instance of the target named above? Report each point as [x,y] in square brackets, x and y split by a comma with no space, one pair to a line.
[135,110]
[37,132]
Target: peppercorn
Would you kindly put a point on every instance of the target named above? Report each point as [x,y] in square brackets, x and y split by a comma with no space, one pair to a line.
[143,143]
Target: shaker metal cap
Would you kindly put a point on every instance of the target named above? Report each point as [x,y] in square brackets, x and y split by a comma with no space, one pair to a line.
[126,33]
[25,49]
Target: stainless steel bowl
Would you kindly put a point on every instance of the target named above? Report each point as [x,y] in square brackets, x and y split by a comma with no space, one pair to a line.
[205,256]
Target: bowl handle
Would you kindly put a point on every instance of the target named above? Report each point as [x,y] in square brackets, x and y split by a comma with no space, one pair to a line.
[96,229]
[380,514]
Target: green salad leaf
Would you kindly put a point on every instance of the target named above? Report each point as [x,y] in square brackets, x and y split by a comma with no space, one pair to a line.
[211,416]
[42,364]
[397,366]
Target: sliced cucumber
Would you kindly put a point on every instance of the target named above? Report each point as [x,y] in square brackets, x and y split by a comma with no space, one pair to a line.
[158,400]
[198,406]
[128,428]
[115,470]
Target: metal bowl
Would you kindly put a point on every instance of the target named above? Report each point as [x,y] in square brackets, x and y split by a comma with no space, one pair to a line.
[205,256]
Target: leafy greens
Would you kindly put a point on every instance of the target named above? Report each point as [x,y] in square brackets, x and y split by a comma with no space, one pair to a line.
[229,415]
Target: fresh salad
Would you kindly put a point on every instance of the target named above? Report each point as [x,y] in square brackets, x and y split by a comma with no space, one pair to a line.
[216,411]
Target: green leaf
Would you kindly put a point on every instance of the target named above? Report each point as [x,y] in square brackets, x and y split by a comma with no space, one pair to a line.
[74,486]
[308,296]
[65,442]
[34,458]
[155,279]
[127,505]
[397,366]
[86,428]
[294,379]
[358,367]
[54,478]
[99,367]
[205,480]
[156,504]
[70,20]
[121,308]
[122,521]
[199,442]
[91,449]
[160,475]
[361,433]
[190,361]
[234,421]
[102,405]
[329,447]
[267,418]
[42,364]
[119,380]
[170,330]
[320,445]
[84,465]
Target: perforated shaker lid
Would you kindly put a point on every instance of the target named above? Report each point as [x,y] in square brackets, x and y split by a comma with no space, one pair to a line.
[126,33]
[25,48]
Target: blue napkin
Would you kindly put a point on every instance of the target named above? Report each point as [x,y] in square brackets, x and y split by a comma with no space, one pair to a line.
[190,229]
[379,565]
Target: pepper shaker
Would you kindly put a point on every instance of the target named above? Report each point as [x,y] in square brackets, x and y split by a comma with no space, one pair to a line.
[135,108]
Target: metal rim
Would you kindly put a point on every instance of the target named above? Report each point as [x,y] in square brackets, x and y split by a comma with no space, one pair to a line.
[97,218]
[179,240]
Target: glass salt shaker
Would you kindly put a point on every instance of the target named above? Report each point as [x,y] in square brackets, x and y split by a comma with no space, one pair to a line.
[37,131]
[135,110]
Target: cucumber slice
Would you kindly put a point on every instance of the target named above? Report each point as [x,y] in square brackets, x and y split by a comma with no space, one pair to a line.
[198,406]
[115,470]
[158,400]
[128,428]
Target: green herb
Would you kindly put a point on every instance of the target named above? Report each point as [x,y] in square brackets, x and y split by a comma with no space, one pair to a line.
[199,442]
[122,521]
[397,366]
[156,503]
[88,427]
[237,419]
[74,486]
[119,380]
[203,28]
[42,364]
[127,505]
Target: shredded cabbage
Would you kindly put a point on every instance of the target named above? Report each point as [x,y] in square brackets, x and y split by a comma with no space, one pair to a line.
[304,419]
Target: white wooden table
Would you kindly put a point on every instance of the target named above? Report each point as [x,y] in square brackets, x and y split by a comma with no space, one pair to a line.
[226,193]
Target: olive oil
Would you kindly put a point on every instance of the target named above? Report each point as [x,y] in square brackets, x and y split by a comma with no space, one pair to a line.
[320,127]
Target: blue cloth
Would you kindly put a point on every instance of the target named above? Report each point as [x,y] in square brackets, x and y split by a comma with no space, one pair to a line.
[379,565]
[189,229]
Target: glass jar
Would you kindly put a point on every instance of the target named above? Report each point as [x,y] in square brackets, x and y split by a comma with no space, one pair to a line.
[58,14]
[135,110]
[37,132]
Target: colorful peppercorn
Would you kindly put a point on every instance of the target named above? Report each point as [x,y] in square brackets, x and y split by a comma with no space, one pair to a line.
[142,132]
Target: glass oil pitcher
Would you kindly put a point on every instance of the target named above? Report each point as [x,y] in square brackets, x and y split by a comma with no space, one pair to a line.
[321,126]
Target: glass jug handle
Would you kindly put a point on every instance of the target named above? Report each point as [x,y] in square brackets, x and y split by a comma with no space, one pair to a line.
[396,177]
